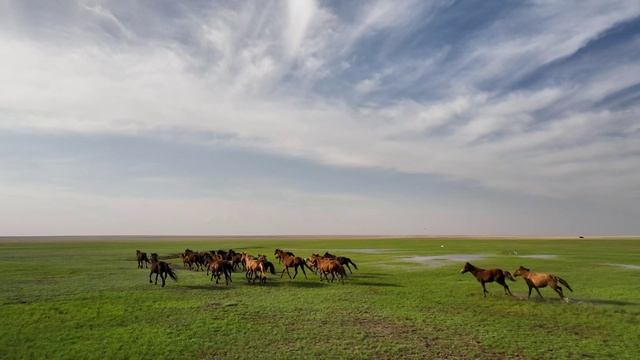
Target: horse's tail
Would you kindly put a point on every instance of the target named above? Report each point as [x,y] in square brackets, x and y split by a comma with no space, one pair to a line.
[563,282]
[270,267]
[172,273]
[352,263]
[509,276]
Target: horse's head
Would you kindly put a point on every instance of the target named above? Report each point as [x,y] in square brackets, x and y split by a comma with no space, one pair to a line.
[520,271]
[467,267]
[276,252]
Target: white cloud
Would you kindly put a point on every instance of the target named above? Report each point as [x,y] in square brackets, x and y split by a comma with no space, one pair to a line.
[252,73]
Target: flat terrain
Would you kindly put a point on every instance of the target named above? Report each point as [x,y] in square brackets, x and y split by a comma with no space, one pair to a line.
[69,298]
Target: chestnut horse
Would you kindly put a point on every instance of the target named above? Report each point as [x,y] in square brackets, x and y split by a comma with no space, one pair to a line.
[490,275]
[288,260]
[540,280]
[142,259]
[343,260]
[161,268]
[326,266]
[219,267]
[278,255]
[256,267]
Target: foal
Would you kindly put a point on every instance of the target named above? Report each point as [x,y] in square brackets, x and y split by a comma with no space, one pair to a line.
[490,275]
[540,280]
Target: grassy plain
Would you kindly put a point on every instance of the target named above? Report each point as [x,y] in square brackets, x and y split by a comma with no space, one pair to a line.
[84,298]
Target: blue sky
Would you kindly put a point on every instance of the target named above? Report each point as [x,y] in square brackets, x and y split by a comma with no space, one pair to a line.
[303,117]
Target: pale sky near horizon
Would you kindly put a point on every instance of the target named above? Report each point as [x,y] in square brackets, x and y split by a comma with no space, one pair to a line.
[319,117]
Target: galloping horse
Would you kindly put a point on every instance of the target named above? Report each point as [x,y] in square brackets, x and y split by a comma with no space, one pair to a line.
[256,268]
[161,268]
[343,260]
[490,275]
[288,260]
[326,266]
[540,280]
[278,255]
[217,266]
[142,259]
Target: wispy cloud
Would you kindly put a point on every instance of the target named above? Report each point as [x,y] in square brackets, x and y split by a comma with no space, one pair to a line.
[535,98]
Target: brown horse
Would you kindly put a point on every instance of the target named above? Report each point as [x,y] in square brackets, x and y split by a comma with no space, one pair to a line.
[161,268]
[490,275]
[278,255]
[540,280]
[142,259]
[255,268]
[289,260]
[328,266]
[343,260]
[219,267]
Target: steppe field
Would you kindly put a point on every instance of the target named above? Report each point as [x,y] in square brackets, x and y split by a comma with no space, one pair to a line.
[84,298]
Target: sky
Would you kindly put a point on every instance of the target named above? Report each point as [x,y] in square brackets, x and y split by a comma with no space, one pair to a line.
[320,117]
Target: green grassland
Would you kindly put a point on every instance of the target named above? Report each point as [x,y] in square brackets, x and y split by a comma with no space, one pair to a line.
[86,299]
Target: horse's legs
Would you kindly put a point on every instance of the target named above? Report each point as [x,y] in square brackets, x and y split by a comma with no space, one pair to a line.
[558,289]
[304,272]
[288,273]
[163,276]
[484,290]
[530,288]
[507,291]
[349,267]
[150,273]
[295,268]
[283,270]
[538,293]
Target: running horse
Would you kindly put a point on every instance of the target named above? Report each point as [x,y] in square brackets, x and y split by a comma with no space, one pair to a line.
[290,260]
[541,280]
[161,268]
[486,276]
[142,259]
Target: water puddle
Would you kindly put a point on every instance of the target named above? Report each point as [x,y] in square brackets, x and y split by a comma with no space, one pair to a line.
[444,259]
[539,256]
[625,266]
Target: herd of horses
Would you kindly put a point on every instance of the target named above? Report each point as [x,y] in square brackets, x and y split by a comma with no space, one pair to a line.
[221,263]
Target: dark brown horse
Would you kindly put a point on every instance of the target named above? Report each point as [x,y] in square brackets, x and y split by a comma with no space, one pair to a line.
[161,268]
[343,260]
[485,276]
[290,260]
[540,280]
[142,259]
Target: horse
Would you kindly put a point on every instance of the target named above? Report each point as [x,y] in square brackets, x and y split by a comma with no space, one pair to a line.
[288,260]
[253,266]
[343,260]
[161,268]
[278,255]
[490,275]
[326,266]
[540,280]
[219,267]
[142,259]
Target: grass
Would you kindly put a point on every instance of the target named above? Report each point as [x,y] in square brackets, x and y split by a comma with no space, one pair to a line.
[86,299]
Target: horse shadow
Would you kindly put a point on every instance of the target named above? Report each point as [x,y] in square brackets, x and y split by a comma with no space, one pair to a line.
[207,287]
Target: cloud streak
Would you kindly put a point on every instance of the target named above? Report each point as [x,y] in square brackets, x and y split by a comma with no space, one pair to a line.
[524,102]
